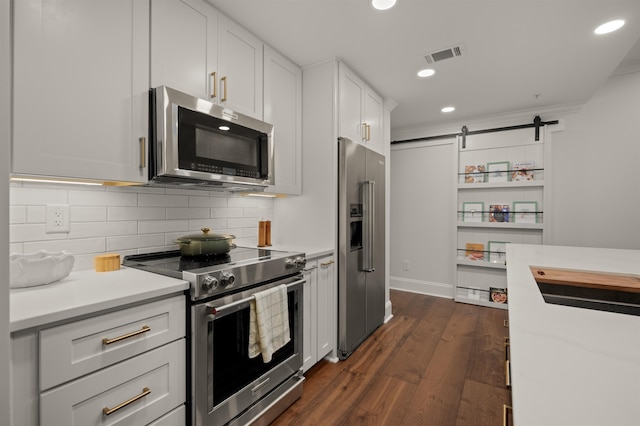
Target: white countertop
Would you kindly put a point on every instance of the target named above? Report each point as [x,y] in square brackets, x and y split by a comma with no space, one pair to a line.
[86,292]
[571,366]
[312,252]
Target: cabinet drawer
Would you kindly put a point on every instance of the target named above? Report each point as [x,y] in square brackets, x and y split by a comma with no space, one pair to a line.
[72,350]
[152,383]
[177,417]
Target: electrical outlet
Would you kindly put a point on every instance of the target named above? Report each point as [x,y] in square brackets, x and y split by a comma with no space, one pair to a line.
[405,265]
[57,218]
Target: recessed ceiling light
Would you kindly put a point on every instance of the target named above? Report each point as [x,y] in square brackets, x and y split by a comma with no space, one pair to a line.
[383,4]
[427,72]
[448,109]
[224,128]
[609,27]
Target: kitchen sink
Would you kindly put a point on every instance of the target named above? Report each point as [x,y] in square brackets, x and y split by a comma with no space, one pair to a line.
[589,290]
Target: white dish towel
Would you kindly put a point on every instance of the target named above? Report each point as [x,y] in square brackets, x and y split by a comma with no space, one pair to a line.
[268,322]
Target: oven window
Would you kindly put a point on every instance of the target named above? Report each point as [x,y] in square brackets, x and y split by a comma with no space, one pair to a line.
[232,367]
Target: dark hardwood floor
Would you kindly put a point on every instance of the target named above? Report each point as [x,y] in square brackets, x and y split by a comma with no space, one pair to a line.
[437,362]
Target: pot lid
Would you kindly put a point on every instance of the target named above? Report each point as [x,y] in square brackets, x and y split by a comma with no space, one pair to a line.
[205,236]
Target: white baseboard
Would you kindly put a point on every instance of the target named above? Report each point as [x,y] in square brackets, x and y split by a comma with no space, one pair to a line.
[422,287]
[387,311]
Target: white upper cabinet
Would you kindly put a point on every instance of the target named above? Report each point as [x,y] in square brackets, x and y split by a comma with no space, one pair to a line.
[81,81]
[240,65]
[373,119]
[282,108]
[361,110]
[184,46]
[201,52]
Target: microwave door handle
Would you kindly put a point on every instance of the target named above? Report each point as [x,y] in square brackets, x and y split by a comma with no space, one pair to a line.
[368,221]
[220,311]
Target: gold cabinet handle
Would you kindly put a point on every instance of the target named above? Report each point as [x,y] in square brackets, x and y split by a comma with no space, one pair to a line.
[324,265]
[507,373]
[506,323]
[107,411]
[224,90]
[144,329]
[505,411]
[369,132]
[507,346]
[143,152]
[363,132]
[215,85]
[507,362]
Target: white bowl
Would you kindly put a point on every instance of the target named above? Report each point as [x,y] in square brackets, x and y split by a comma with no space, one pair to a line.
[32,269]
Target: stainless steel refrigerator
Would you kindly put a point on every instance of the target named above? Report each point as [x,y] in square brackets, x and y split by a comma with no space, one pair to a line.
[361,244]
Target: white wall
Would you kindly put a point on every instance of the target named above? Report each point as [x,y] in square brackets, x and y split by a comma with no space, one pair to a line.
[421,222]
[596,187]
[127,220]
[592,181]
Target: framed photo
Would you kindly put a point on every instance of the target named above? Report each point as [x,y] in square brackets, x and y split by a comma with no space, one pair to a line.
[522,170]
[499,212]
[498,172]
[474,174]
[525,211]
[474,251]
[472,212]
[498,295]
[498,252]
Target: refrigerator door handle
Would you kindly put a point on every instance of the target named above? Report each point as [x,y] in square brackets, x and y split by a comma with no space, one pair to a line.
[368,221]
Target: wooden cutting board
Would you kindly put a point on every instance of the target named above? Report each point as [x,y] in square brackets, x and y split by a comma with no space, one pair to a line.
[590,279]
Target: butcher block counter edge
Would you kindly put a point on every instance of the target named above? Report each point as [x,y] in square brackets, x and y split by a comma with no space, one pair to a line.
[87,292]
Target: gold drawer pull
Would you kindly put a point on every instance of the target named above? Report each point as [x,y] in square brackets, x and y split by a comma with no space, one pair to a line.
[505,409]
[324,265]
[506,323]
[144,329]
[507,346]
[106,410]
[507,373]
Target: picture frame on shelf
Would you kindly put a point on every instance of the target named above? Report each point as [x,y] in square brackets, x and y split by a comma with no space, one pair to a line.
[499,213]
[498,172]
[522,171]
[498,295]
[525,211]
[474,174]
[474,251]
[498,252]
[472,211]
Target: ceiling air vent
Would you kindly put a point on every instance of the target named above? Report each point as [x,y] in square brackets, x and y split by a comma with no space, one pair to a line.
[450,52]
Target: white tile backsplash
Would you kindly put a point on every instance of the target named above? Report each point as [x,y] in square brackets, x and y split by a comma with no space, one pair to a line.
[126,220]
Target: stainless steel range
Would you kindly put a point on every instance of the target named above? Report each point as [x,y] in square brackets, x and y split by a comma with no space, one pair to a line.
[226,386]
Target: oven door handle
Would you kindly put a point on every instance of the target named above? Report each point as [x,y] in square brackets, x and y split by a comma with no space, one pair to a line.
[219,311]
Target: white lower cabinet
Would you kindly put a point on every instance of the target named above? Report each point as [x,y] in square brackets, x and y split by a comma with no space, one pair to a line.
[319,332]
[177,417]
[125,367]
[134,392]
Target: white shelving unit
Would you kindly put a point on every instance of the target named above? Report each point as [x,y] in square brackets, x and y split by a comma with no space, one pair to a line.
[474,277]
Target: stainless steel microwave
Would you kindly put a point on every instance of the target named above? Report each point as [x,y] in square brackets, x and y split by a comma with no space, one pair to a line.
[198,144]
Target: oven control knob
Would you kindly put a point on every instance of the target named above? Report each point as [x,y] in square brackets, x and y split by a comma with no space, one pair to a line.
[289,263]
[227,278]
[300,261]
[209,282]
